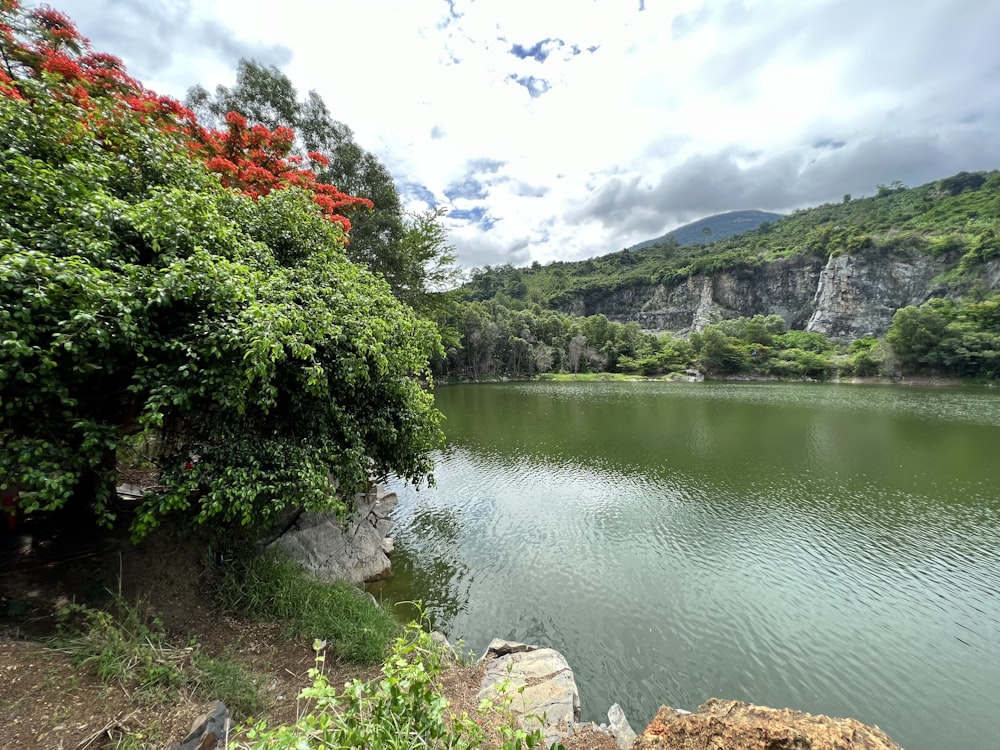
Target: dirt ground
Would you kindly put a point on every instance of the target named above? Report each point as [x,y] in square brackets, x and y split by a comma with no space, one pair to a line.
[47,701]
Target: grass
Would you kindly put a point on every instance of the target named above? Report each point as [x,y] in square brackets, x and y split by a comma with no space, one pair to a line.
[121,645]
[273,588]
[228,680]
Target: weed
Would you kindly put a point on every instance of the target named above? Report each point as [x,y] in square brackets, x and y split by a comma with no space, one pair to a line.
[274,588]
[122,646]
[402,709]
[225,679]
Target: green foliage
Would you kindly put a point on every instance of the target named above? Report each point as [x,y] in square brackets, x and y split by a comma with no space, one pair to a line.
[402,709]
[809,341]
[959,339]
[225,678]
[265,95]
[953,217]
[721,354]
[141,300]
[272,588]
[867,357]
[915,334]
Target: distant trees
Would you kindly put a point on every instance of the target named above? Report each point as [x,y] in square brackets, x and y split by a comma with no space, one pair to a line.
[954,338]
[957,339]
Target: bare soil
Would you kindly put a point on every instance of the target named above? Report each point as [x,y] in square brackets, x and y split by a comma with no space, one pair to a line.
[48,701]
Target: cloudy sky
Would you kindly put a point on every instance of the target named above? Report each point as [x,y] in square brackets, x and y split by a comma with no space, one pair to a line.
[564,129]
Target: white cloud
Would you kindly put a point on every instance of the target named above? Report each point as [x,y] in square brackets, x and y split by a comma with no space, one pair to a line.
[640,119]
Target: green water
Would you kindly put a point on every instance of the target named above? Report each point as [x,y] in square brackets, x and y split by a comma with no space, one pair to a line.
[834,549]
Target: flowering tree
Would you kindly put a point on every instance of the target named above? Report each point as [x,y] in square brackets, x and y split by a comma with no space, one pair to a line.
[267,98]
[187,289]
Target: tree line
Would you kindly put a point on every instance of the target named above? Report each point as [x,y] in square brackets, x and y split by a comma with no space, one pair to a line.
[955,339]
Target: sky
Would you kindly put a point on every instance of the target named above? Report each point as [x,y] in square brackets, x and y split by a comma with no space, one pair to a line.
[566,129]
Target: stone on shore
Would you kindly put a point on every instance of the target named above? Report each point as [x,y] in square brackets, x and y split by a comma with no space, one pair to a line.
[549,699]
[733,725]
[621,730]
[331,551]
[208,731]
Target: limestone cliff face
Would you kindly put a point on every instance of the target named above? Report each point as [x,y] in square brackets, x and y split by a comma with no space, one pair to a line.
[844,296]
[858,295]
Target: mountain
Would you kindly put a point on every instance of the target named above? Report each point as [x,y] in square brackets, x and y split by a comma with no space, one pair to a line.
[719,226]
[840,269]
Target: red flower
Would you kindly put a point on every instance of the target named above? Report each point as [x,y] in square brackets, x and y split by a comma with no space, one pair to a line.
[319,158]
[62,65]
[236,119]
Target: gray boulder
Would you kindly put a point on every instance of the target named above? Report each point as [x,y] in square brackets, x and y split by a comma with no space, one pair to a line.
[333,551]
[538,684]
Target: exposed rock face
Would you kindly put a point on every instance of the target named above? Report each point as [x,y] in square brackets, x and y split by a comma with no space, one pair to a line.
[855,297]
[844,296]
[784,288]
[731,725]
[356,553]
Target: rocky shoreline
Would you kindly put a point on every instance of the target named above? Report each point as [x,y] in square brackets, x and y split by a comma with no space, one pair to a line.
[539,682]
[543,693]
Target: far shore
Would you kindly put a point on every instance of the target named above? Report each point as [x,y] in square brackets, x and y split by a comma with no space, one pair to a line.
[584,377]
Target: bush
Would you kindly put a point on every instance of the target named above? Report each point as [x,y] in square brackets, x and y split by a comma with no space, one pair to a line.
[402,709]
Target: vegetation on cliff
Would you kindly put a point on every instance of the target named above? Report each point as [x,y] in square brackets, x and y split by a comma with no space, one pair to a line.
[957,217]
[519,321]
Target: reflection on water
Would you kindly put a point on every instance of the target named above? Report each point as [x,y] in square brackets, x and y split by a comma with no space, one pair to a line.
[832,549]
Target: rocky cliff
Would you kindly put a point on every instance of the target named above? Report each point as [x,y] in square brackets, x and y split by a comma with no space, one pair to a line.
[845,296]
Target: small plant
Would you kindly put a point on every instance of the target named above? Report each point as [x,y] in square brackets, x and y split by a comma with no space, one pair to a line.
[226,679]
[402,709]
[122,646]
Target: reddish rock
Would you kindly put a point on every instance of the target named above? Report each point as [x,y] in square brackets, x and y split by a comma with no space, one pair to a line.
[732,725]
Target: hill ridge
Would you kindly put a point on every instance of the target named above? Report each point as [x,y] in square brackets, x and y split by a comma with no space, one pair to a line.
[720,226]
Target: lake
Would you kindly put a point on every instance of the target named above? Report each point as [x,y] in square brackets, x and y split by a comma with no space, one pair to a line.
[829,548]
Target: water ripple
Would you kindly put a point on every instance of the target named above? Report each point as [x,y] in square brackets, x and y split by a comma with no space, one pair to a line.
[835,556]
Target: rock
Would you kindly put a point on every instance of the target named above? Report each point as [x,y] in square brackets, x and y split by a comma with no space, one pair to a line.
[858,295]
[549,698]
[734,725]
[500,647]
[621,730]
[322,544]
[208,730]
[447,651]
[841,295]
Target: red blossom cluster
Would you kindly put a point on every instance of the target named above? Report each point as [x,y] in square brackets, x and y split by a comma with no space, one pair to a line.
[257,160]
[44,43]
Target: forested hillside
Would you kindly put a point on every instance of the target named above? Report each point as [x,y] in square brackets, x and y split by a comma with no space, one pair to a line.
[712,228]
[956,219]
[823,285]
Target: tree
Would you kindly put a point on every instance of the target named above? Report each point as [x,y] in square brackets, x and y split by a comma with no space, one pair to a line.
[720,353]
[150,295]
[574,351]
[266,96]
[914,334]
[427,274]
